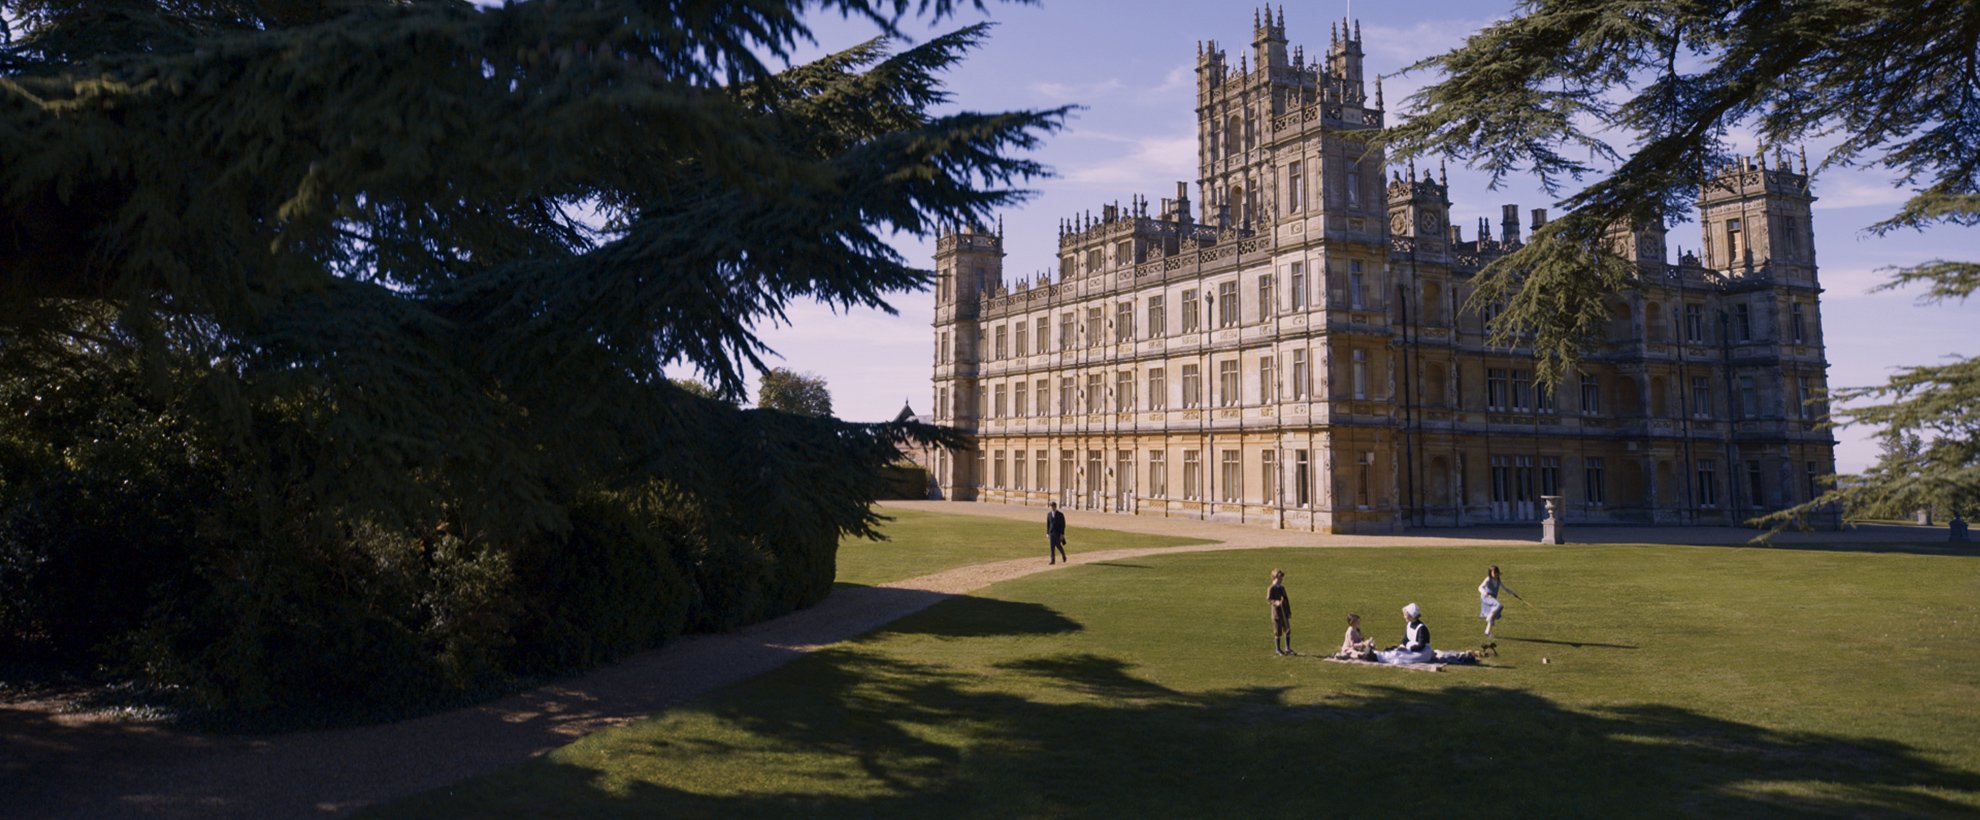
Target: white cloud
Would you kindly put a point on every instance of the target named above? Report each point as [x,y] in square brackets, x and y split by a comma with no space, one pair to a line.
[1059,92]
[1146,161]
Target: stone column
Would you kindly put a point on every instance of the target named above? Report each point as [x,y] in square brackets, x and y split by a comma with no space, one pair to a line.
[1551,528]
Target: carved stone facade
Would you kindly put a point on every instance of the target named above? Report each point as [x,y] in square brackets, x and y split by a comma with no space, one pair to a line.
[1291,352]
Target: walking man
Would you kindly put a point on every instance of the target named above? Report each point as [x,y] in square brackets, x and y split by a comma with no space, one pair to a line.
[1055,532]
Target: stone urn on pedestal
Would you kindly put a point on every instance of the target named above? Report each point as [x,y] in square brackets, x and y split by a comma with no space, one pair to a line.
[1552,531]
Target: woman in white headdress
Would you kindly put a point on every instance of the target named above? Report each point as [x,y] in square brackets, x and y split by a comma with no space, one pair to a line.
[1415,647]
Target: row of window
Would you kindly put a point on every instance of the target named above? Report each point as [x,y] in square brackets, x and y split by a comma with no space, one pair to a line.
[1094,327]
[1693,328]
[1515,480]
[1096,395]
[1506,390]
[1093,476]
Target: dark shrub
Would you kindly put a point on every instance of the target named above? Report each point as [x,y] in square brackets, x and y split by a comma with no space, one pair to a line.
[606,588]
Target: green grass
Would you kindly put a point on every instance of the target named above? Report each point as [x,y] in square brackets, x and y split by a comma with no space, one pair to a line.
[1715,681]
[920,543]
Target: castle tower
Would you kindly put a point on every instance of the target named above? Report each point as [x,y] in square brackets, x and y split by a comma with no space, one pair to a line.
[969,264]
[1760,241]
[1758,219]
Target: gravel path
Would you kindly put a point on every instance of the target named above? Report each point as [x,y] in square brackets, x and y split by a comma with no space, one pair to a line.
[59,763]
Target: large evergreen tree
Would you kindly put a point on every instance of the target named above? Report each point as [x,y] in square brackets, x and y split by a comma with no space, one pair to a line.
[1554,89]
[416,264]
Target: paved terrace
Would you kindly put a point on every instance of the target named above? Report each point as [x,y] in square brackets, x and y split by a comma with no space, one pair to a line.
[56,761]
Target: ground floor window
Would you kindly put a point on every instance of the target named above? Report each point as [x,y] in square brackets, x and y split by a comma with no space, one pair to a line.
[1158,475]
[1708,483]
[1268,474]
[1594,484]
[1192,474]
[1232,478]
[1302,478]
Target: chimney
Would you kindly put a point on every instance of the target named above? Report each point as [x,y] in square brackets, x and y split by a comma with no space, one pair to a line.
[1539,218]
[1509,224]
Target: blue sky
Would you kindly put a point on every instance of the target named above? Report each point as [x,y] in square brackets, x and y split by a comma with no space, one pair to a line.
[1131,66]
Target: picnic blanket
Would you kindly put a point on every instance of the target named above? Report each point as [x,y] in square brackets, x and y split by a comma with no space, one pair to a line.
[1420,667]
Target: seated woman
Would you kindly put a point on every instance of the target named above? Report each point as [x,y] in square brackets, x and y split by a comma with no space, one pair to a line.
[1355,647]
[1415,647]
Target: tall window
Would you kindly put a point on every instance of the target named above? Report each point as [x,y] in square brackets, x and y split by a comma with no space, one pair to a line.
[1066,330]
[1000,406]
[1543,399]
[1192,475]
[1019,406]
[1302,478]
[1550,475]
[1158,389]
[1360,364]
[1735,243]
[1042,337]
[1227,383]
[1749,398]
[1357,299]
[1742,323]
[1805,391]
[1044,475]
[1594,485]
[1268,383]
[1019,347]
[997,475]
[1701,397]
[1017,470]
[1158,317]
[1300,379]
[1294,187]
[1296,290]
[1268,475]
[1094,386]
[1191,312]
[1814,480]
[1591,394]
[942,347]
[1043,399]
[942,410]
[1066,470]
[1158,475]
[1192,386]
[1708,483]
[1227,304]
[1124,322]
[1354,186]
[982,405]
[1796,324]
[1093,328]
[1265,300]
[1002,349]
[1754,498]
[1496,388]
[1231,477]
[1694,323]
[1124,391]
[1066,406]
[1522,382]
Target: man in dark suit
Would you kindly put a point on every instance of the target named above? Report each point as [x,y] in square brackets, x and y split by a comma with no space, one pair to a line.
[1055,531]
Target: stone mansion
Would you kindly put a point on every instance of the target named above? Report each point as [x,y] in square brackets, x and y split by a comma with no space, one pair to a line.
[1291,350]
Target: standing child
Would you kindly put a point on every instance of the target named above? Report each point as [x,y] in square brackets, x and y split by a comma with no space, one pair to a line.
[1281,604]
[1488,597]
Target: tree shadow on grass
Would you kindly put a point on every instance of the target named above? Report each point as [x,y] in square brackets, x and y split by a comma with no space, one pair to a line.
[850,732]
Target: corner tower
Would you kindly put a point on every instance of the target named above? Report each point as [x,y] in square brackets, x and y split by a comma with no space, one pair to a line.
[969,263]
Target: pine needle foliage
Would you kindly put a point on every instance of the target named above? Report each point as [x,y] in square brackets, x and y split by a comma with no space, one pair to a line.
[407,264]
[1624,108]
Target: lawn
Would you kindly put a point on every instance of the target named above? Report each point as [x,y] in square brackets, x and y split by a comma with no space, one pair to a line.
[920,543]
[1697,680]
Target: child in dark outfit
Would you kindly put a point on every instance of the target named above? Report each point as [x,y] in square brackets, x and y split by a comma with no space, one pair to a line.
[1281,604]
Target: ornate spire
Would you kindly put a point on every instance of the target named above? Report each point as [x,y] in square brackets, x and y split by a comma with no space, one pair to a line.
[1378,92]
